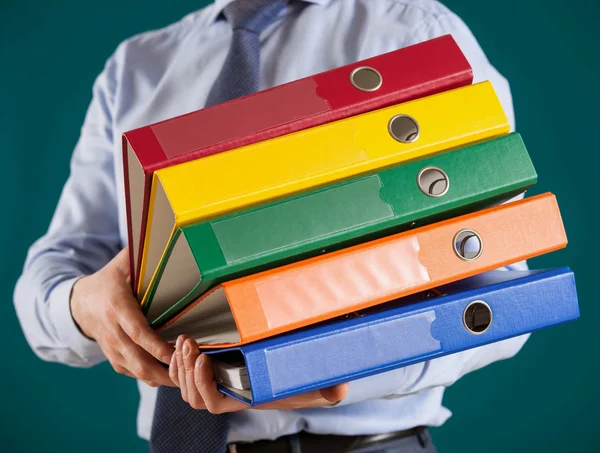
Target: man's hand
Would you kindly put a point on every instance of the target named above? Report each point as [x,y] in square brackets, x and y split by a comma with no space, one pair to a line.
[193,373]
[105,309]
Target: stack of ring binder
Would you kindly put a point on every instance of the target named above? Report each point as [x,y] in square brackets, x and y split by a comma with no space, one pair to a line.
[342,225]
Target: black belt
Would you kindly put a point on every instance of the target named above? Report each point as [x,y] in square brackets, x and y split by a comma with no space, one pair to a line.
[322,443]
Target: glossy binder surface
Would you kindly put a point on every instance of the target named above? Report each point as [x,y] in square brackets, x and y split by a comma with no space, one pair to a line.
[221,183]
[339,215]
[218,184]
[436,65]
[405,332]
[365,275]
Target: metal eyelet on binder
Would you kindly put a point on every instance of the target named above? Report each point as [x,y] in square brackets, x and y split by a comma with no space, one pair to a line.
[366,79]
[477,317]
[404,128]
[433,182]
[467,245]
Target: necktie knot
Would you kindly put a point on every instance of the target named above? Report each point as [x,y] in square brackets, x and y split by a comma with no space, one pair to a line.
[252,15]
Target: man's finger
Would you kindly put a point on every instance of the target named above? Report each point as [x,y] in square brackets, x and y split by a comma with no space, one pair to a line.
[190,354]
[316,398]
[142,364]
[180,366]
[173,371]
[303,401]
[336,393]
[129,314]
[135,325]
[215,401]
[116,360]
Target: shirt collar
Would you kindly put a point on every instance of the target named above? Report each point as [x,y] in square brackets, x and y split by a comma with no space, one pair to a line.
[219,5]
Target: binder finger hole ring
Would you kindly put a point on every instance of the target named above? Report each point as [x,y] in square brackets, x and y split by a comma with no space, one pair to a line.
[404,128]
[468,245]
[433,182]
[477,317]
[366,79]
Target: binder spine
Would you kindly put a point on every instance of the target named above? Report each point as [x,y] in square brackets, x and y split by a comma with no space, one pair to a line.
[335,353]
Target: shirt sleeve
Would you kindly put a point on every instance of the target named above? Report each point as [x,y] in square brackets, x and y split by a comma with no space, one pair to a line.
[82,237]
[444,371]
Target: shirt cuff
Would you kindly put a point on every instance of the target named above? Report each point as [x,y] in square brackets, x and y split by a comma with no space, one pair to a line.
[66,328]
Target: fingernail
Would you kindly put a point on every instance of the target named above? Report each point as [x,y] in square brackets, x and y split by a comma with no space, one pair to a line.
[180,340]
[186,349]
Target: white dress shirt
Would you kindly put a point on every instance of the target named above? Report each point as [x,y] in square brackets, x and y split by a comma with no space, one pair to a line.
[167,72]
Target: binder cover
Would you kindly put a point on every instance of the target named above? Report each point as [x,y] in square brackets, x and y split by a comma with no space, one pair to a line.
[405,332]
[218,184]
[412,72]
[314,290]
[337,216]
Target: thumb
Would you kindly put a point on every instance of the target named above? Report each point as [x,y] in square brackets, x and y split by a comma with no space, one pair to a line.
[335,393]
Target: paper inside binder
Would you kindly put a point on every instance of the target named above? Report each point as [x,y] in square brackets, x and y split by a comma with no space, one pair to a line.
[230,370]
[159,229]
[178,278]
[136,178]
[208,322]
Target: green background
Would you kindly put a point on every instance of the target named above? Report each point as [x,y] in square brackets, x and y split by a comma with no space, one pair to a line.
[544,399]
